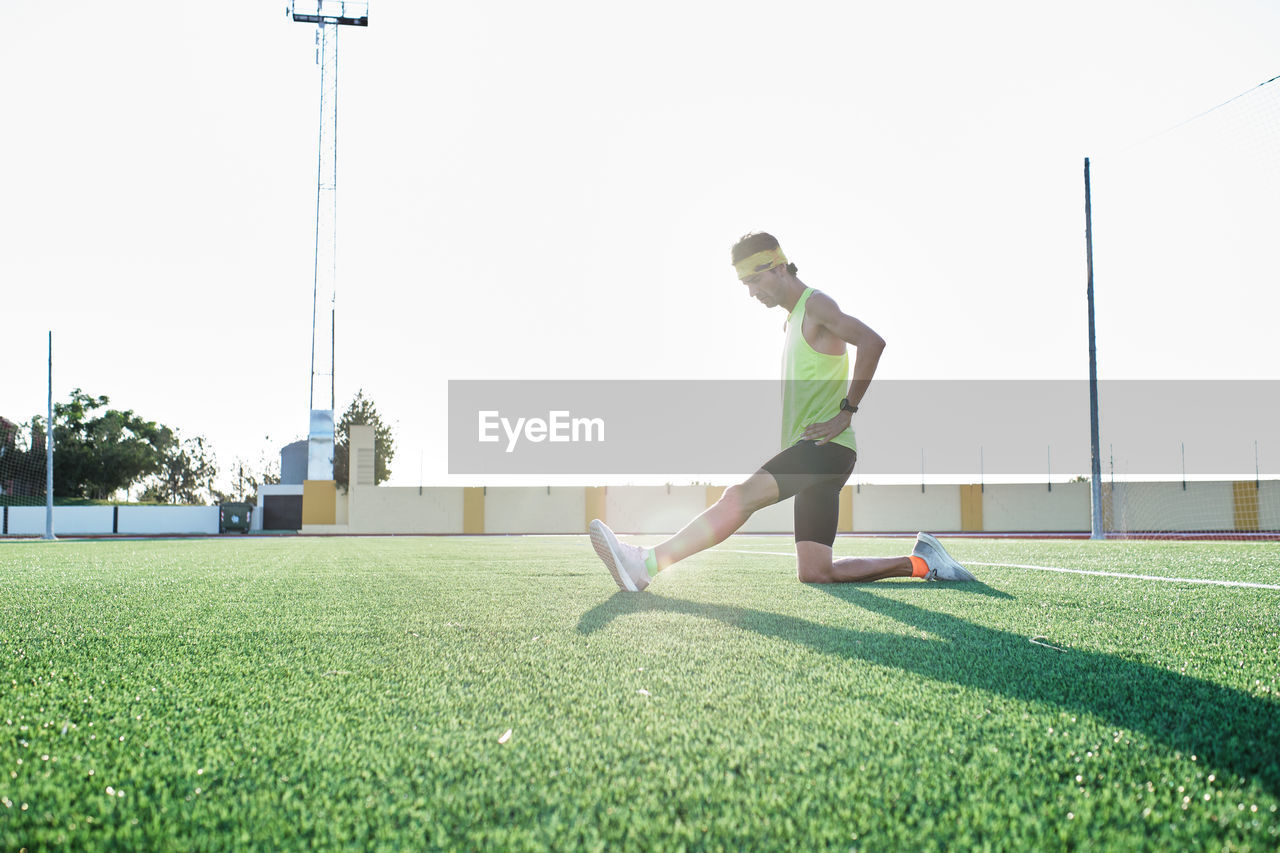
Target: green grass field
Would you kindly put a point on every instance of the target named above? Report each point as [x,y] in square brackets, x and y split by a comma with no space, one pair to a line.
[290,693]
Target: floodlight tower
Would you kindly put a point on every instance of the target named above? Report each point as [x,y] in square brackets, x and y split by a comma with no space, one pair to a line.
[328,16]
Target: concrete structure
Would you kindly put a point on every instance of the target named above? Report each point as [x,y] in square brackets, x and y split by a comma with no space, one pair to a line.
[109,520]
[966,508]
[1243,507]
[869,509]
[1240,506]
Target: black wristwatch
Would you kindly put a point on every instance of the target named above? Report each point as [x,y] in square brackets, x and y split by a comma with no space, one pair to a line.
[845,407]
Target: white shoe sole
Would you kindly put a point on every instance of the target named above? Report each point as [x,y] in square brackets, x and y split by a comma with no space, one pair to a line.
[603,540]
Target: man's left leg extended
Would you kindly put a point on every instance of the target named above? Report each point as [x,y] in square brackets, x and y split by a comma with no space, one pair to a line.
[632,566]
[813,473]
[720,520]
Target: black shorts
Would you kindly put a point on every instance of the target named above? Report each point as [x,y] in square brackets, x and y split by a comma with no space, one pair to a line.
[814,473]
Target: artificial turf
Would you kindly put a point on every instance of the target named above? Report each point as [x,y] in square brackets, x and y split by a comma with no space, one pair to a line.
[290,693]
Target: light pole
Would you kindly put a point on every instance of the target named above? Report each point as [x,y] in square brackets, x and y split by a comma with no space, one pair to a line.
[328,16]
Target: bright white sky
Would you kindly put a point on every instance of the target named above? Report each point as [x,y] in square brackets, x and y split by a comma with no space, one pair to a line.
[551,190]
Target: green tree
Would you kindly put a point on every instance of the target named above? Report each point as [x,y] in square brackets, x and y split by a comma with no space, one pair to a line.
[96,454]
[363,411]
[187,473]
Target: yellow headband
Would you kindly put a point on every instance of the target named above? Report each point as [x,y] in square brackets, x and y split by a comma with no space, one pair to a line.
[760,262]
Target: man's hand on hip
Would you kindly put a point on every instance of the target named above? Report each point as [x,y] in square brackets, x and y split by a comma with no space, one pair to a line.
[827,430]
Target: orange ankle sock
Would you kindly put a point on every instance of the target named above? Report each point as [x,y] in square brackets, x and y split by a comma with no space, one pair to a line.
[918,567]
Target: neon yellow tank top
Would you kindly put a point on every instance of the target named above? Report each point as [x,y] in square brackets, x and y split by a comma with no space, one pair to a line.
[813,383]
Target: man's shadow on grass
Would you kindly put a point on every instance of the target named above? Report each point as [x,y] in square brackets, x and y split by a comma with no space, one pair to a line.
[1233,730]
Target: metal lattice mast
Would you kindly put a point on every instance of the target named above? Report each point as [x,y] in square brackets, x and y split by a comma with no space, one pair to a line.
[328,16]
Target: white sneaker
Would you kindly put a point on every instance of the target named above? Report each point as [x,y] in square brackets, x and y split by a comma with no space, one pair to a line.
[625,562]
[942,566]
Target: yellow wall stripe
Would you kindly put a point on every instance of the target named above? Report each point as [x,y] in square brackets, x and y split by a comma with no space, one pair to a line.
[596,503]
[971,508]
[473,509]
[845,524]
[1244,500]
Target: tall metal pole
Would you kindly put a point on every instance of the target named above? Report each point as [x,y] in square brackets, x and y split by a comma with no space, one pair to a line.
[1094,447]
[328,16]
[321,435]
[48,453]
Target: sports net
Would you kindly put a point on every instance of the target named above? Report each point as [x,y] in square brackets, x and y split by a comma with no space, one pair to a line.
[1185,248]
[22,463]
[1196,509]
[1186,273]
[22,477]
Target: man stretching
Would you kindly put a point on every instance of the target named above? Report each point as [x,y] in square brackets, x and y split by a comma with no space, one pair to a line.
[818,453]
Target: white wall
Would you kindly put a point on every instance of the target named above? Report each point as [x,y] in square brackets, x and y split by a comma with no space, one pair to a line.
[100,520]
[157,520]
[68,520]
[1026,507]
[659,510]
[653,509]
[535,510]
[387,509]
[278,489]
[899,509]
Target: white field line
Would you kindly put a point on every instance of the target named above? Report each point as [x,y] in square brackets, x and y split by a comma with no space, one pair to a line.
[1131,576]
[765,553]
[1127,575]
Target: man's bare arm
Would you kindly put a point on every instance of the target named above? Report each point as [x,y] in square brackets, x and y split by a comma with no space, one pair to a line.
[869,346]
